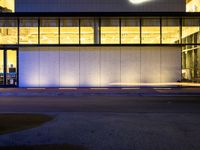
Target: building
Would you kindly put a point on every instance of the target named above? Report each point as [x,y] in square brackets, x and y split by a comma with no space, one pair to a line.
[7,5]
[99,43]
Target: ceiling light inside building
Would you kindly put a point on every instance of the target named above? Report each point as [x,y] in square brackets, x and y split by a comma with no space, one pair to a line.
[138,1]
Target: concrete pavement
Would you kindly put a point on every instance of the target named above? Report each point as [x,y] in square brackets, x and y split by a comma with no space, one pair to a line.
[115,131]
[190,91]
[109,122]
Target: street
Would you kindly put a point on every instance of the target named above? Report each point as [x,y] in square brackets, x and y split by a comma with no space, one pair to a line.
[110,122]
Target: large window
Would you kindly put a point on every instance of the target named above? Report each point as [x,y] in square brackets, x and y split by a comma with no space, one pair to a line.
[69,31]
[130,31]
[110,31]
[28,33]
[87,31]
[49,31]
[170,31]
[1,67]
[8,61]
[189,27]
[11,68]
[126,30]
[150,31]
[8,32]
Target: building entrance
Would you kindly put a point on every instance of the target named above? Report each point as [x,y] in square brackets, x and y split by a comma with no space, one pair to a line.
[8,68]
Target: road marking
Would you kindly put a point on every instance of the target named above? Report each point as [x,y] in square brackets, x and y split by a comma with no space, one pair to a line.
[162,88]
[130,88]
[99,88]
[36,88]
[67,88]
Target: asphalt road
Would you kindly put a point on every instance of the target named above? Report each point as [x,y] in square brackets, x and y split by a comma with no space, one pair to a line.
[110,123]
[118,104]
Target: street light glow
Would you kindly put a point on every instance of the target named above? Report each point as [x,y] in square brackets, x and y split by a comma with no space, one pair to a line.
[138,1]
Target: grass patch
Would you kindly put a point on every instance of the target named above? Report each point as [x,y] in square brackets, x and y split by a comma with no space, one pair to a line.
[45,147]
[17,122]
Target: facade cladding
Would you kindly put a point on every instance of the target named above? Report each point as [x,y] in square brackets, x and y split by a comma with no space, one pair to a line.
[80,44]
[99,6]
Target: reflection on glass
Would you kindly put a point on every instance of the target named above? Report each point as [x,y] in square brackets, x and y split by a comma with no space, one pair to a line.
[11,68]
[69,31]
[87,31]
[190,26]
[150,31]
[1,68]
[130,31]
[8,32]
[28,31]
[48,31]
[110,31]
[170,31]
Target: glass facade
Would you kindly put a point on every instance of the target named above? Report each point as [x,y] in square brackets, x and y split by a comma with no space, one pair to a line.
[191,49]
[190,26]
[170,31]
[150,31]
[178,31]
[8,31]
[130,31]
[75,31]
[69,31]
[49,31]
[1,67]
[110,31]
[11,67]
[87,29]
[28,31]
[8,67]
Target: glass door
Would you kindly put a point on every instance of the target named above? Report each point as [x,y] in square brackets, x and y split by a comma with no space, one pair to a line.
[11,67]
[1,67]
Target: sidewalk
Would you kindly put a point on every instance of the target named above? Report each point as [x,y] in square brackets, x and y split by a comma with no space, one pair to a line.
[99,91]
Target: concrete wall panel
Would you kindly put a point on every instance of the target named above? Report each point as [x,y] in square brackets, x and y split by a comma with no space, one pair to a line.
[170,64]
[49,67]
[150,64]
[69,67]
[110,67]
[29,67]
[89,66]
[130,66]
[98,66]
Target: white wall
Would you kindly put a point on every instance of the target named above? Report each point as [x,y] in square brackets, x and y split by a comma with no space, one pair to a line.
[131,65]
[69,66]
[98,66]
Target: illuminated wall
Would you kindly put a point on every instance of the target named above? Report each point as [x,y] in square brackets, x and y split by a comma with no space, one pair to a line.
[193,6]
[8,5]
[98,66]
